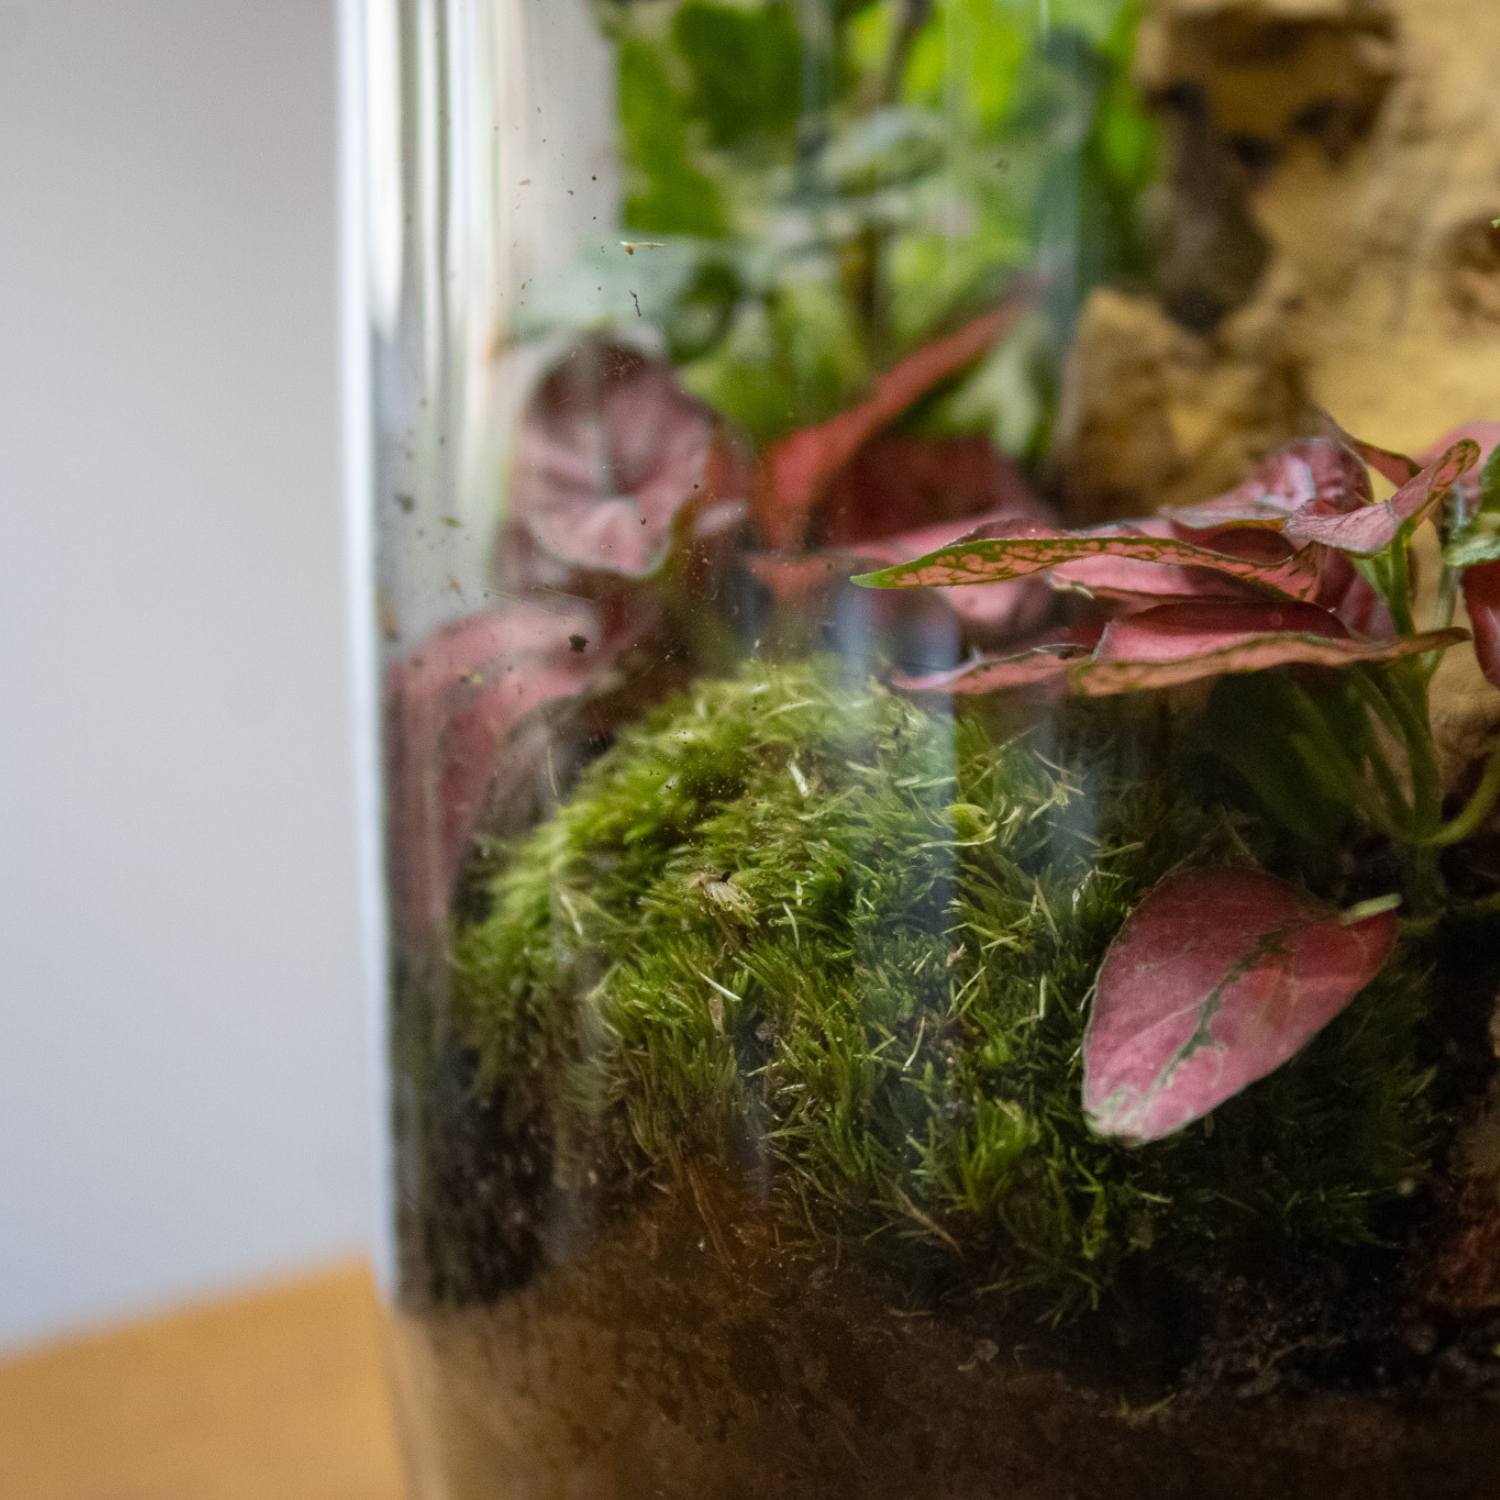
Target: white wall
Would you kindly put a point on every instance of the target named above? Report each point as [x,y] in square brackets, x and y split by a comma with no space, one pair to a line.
[181,1048]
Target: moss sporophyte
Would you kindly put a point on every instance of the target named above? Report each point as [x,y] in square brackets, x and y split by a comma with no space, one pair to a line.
[809,930]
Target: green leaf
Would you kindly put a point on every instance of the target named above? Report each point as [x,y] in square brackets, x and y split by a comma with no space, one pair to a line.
[1489,483]
[970,55]
[746,70]
[885,148]
[1479,541]
[666,192]
[794,357]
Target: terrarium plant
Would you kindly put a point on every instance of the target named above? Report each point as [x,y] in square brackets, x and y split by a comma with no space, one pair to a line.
[895,993]
[1046,985]
[1217,981]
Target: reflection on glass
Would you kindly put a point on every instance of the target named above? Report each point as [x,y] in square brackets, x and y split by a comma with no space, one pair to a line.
[938,806]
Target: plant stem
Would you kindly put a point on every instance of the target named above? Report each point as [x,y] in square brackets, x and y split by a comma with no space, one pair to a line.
[911,19]
[1375,702]
[1408,695]
[1325,752]
[1478,808]
[1409,698]
[864,256]
[1398,595]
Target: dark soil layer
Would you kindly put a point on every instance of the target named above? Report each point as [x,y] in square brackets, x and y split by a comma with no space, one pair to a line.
[684,1355]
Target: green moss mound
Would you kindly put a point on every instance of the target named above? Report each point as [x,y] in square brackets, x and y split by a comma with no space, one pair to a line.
[817,935]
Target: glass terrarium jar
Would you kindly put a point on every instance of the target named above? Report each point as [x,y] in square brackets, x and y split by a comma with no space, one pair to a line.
[938,805]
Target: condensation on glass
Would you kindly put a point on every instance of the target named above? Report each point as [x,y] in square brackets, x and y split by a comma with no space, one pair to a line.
[937,750]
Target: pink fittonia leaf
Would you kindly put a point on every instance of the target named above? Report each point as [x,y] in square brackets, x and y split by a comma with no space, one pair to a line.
[1172,644]
[1314,472]
[1217,978]
[611,459]
[449,707]
[1482,599]
[1015,549]
[798,471]
[1372,528]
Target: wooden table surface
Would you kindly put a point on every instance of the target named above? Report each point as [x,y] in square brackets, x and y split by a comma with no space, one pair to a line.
[274,1396]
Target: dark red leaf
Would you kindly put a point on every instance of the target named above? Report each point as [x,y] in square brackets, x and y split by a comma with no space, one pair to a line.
[1487,435]
[988,610]
[798,471]
[896,482]
[1482,599]
[450,706]
[1216,979]
[1345,592]
[1372,528]
[1178,643]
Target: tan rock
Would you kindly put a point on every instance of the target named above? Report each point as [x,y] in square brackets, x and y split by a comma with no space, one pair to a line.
[1153,414]
[1332,171]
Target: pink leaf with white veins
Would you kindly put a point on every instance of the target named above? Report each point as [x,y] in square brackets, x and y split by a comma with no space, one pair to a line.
[615,466]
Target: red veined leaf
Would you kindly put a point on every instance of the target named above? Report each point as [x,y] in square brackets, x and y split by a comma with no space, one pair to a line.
[1318,472]
[1372,528]
[1172,644]
[1015,549]
[1482,599]
[797,471]
[1039,667]
[1216,979]
[450,705]
[614,464]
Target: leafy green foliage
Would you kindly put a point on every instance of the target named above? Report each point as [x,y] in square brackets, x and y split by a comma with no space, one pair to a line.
[746,70]
[834,185]
[806,930]
[667,193]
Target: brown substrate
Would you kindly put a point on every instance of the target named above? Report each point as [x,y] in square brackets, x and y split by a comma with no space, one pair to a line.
[673,1357]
